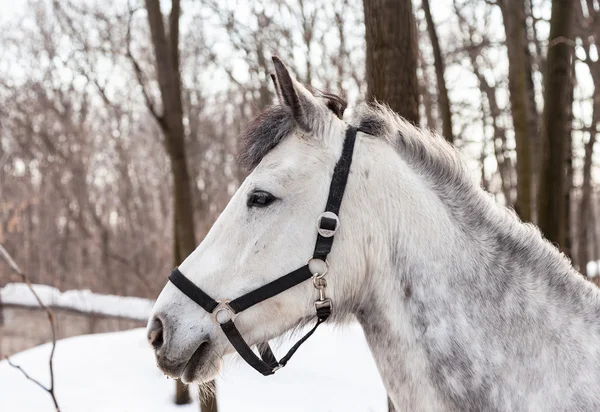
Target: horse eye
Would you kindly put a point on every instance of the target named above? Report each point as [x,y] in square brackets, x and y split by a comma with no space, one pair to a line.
[260,198]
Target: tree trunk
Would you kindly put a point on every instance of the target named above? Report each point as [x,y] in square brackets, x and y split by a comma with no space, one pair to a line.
[443,100]
[569,183]
[519,88]
[166,52]
[167,68]
[584,213]
[556,127]
[426,97]
[182,392]
[392,56]
[533,114]
[567,247]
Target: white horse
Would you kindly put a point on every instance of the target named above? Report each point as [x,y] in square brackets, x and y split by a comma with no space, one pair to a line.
[465,308]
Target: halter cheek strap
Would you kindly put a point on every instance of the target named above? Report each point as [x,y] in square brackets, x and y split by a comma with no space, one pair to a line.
[224,312]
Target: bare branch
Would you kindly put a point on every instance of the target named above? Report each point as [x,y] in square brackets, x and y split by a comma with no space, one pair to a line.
[11,262]
[38,383]
[139,74]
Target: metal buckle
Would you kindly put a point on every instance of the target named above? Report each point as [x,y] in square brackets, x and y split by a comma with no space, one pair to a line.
[318,267]
[328,232]
[223,307]
[319,283]
[325,303]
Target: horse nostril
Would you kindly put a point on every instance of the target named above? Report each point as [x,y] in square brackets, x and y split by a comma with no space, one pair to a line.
[155,334]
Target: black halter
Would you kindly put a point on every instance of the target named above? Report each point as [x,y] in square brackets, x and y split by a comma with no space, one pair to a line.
[224,311]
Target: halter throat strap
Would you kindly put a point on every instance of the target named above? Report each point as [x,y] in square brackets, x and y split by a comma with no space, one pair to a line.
[224,312]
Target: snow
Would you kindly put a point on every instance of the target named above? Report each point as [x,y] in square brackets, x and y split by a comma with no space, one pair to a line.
[333,371]
[80,300]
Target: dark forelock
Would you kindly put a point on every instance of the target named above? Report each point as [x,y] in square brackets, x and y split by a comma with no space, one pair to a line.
[263,134]
[271,126]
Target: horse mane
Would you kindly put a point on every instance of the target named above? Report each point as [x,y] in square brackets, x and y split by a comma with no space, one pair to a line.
[444,170]
[438,163]
[486,222]
[431,156]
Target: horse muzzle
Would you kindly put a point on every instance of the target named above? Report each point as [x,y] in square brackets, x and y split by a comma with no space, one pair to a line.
[186,365]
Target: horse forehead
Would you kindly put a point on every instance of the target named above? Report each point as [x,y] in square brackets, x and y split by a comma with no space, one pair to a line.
[292,159]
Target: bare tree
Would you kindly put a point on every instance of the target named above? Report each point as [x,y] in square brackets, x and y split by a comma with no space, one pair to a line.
[392,57]
[556,127]
[519,81]
[438,59]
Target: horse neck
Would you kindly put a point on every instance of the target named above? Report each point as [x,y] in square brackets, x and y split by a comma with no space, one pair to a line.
[447,282]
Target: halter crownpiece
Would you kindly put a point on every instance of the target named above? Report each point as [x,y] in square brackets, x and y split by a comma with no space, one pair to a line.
[224,312]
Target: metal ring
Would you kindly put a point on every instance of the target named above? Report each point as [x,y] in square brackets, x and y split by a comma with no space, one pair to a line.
[328,232]
[317,274]
[223,305]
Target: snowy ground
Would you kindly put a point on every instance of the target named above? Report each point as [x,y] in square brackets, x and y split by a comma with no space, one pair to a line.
[333,371]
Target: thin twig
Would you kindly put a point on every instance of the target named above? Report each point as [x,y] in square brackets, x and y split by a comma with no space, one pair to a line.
[11,262]
[38,383]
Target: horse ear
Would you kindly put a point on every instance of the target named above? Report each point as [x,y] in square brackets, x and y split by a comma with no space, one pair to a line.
[335,103]
[293,95]
[277,89]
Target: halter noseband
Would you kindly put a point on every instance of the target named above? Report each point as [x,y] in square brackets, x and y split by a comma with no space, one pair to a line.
[224,312]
